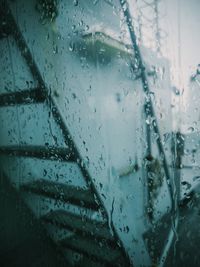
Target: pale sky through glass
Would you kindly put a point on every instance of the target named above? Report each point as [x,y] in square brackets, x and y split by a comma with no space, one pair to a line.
[181,21]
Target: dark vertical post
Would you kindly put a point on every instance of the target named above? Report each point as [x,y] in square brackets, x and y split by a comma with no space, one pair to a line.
[178,148]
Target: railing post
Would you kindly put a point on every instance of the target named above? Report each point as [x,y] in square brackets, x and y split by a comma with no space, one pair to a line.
[178,151]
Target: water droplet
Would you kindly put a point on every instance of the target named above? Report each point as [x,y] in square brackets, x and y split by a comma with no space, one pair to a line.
[47,36]
[127,229]
[71,46]
[149,120]
[124,7]
[152,95]
[75,2]
[155,136]
[196,178]
[55,49]
[81,23]
[191,129]
[87,28]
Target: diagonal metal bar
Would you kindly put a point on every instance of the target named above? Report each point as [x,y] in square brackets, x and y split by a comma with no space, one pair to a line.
[149,110]
[63,192]
[21,43]
[24,97]
[40,152]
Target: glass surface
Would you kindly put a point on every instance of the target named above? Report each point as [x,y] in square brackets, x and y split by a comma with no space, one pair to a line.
[99,137]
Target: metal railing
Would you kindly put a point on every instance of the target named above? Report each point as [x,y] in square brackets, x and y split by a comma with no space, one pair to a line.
[44,92]
[149,112]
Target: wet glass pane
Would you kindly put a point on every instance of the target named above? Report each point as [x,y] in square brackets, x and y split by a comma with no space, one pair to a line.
[99,136]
